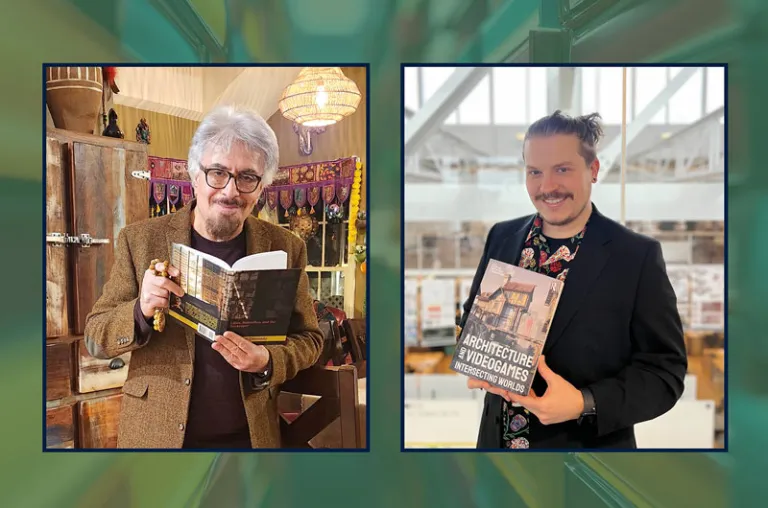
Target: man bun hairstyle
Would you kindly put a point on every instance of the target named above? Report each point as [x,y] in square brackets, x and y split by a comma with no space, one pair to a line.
[586,127]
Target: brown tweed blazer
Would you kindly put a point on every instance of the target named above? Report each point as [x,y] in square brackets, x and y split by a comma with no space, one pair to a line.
[156,394]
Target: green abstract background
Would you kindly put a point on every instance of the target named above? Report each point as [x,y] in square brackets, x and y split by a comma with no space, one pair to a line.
[384,33]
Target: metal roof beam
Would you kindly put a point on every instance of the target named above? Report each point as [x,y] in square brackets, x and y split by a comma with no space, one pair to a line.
[433,113]
[609,154]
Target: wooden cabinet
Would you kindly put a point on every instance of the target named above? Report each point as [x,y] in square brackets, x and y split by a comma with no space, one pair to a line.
[97,421]
[59,369]
[60,427]
[91,194]
[94,374]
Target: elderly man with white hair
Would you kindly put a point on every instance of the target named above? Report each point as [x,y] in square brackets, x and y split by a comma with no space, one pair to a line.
[182,390]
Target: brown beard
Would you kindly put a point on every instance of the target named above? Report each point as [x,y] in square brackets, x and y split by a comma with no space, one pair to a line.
[567,220]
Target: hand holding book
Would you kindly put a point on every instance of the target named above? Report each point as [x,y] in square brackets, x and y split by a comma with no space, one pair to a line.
[561,402]
[242,354]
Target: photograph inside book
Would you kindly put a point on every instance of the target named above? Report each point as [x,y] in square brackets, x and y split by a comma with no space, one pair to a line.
[608,180]
[206,272]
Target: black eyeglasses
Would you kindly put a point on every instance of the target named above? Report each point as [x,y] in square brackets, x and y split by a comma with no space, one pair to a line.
[219,179]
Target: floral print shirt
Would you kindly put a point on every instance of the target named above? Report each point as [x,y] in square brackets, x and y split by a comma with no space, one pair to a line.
[551,257]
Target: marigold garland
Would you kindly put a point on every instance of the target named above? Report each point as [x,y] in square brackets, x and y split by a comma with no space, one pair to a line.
[354,204]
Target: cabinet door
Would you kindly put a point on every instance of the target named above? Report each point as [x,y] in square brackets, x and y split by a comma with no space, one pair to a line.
[105,198]
[98,421]
[94,374]
[136,200]
[60,427]
[58,370]
[56,255]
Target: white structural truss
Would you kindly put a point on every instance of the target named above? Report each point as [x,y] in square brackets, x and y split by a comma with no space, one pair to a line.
[696,152]
[611,153]
[433,113]
[670,177]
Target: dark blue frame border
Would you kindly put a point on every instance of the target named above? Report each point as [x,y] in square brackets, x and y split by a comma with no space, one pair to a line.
[367,447]
[725,448]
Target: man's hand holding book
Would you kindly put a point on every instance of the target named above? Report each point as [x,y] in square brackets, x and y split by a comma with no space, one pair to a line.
[242,354]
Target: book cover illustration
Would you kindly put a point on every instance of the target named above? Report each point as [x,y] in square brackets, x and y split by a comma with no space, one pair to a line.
[507,327]
[254,298]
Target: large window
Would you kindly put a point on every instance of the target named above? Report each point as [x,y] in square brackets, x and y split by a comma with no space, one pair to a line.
[476,108]
[518,95]
[326,250]
[685,106]
[509,96]
[432,79]
[650,82]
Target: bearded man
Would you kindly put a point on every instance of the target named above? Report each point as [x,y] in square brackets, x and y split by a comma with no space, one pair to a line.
[182,390]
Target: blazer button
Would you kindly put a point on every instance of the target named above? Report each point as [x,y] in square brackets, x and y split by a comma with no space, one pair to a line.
[187,381]
[181,426]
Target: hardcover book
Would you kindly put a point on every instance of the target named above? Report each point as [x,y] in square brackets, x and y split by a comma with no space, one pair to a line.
[507,326]
[253,298]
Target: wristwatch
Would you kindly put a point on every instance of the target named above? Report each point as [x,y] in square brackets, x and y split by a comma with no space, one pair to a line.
[590,410]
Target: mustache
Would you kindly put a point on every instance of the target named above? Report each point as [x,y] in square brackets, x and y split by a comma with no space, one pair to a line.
[554,195]
[231,202]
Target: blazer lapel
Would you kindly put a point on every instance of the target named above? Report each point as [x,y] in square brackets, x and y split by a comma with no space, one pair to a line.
[582,273]
[180,231]
[256,237]
[512,246]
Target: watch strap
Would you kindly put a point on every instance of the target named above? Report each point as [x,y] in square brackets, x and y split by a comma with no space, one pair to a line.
[590,409]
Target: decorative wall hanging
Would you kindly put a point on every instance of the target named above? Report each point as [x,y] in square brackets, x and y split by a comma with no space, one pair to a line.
[169,186]
[354,204]
[112,130]
[319,96]
[330,180]
[168,168]
[73,96]
[142,132]
[305,137]
[168,196]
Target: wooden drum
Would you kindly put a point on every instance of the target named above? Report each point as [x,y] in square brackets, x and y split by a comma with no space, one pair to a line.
[73,95]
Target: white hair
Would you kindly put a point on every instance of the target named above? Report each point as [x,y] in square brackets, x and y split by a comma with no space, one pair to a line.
[227,125]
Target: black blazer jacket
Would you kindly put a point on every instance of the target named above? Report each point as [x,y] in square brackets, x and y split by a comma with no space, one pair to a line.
[616,331]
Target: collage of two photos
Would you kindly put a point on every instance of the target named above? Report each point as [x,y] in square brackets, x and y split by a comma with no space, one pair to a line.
[205,255]
[563,257]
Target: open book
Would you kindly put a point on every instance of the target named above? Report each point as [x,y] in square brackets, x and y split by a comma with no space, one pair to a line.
[506,329]
[253,298]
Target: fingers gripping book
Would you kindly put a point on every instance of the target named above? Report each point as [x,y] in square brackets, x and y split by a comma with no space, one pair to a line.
[253,298]
[507,326]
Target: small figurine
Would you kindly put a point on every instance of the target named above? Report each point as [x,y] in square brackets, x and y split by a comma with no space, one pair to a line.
[112,130]
[142,132]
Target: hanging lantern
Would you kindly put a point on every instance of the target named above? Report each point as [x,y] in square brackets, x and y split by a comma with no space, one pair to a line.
[319,96]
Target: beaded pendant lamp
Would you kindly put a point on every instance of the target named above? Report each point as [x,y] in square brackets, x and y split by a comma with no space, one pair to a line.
[319,96]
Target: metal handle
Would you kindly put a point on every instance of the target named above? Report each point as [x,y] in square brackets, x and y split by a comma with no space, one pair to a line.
[84,240]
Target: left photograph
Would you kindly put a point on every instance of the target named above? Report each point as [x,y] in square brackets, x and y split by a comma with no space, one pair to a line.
[205,257]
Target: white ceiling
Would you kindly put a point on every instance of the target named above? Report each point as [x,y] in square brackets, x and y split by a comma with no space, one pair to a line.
[189,92]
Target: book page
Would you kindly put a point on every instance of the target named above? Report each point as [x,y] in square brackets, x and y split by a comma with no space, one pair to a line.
[274,260]
[185,250]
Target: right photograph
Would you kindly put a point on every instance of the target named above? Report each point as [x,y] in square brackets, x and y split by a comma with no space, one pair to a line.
[564,258]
